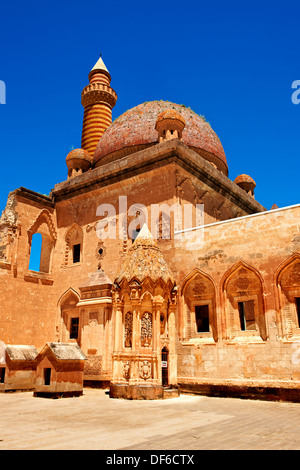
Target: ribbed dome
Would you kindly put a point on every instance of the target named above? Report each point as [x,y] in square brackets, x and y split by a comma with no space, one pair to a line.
[135,130]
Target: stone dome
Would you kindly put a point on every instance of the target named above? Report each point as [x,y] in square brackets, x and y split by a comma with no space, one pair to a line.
[244,179]
[144,260]
[170,114]
[246,183]
[80,155]
[135,130]
[78,161]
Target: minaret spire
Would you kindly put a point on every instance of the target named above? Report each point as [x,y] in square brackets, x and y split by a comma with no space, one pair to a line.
[98,99]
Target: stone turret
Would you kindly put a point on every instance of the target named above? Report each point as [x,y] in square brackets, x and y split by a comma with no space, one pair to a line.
[246,183]
[78,161]
[169,125]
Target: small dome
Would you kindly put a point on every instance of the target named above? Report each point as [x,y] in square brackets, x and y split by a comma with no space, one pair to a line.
[169,125]
[78,161]
[245,179]
[172,115]
[246,183]
[78,154]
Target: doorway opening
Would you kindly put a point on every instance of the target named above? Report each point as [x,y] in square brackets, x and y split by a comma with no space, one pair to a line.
[164,367]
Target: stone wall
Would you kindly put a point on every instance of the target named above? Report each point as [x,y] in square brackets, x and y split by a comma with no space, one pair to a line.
[242,259]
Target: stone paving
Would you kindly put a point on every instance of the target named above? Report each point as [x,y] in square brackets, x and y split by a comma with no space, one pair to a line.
[95,421]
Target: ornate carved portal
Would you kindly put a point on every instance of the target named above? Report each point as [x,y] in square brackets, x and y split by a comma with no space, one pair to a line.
[144,309]
[144,325]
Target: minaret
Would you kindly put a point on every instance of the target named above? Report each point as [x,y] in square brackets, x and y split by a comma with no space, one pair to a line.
[98,99]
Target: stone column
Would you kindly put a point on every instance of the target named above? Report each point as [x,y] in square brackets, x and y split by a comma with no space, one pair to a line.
[172,351]
[118,326]
[156,338]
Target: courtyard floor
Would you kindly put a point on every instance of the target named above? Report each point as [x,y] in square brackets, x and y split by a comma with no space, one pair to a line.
[97,422]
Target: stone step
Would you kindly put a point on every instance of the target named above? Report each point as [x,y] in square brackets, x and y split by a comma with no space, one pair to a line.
[171,393]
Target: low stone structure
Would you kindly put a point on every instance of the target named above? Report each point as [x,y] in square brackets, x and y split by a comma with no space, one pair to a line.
[59,371]
[18,371]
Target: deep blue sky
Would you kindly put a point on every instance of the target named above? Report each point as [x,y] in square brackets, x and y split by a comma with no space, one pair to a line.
[232,61]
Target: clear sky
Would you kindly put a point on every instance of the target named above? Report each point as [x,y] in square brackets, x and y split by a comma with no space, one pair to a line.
[232,61]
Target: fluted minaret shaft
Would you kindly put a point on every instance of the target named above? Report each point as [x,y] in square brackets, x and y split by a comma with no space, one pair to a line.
[98,99]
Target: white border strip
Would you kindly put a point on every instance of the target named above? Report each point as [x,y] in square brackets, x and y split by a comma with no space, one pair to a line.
[237,219]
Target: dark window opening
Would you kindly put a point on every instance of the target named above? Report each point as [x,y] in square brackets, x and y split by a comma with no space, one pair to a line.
[135,234]
[164,365]
[76,253]
[247,315]
[297,300]
[47,376]
[2,375]
[74,327]
[128,330]
[202,318]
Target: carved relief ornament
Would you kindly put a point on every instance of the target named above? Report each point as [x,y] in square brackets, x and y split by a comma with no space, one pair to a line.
[145,370]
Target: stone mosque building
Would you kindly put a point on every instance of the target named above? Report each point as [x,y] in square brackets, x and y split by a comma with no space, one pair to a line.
[151,307]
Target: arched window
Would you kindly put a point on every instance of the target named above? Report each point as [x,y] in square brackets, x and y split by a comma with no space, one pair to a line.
[244,304]
[163,227]
[74,245]
[288,285]
[35,252]
[136,218]
[71,327]
[199,308]
[42,237]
